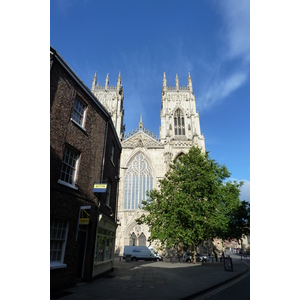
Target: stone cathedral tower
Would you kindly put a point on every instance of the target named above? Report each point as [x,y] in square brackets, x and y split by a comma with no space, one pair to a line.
[180,125]
[112,99]
[145,158]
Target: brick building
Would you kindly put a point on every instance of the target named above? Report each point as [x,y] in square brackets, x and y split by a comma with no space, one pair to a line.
[84,149]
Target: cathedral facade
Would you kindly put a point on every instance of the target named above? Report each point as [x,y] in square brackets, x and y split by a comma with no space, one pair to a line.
[145,157]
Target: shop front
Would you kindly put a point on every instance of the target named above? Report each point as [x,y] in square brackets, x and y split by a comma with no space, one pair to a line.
[104,245]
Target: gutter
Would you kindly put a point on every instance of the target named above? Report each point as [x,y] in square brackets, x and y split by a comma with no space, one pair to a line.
[104,151]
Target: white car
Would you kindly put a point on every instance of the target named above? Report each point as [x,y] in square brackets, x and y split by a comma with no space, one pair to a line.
[187,257]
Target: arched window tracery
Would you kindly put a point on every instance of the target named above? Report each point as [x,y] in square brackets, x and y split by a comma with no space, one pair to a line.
[179,122]
[132,240]
[142,239]
[138,181]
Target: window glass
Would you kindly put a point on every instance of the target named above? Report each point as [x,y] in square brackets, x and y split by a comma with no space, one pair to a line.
[79,112]
[108,194]
[104,245]
[138,181]
[179,122]
[142,240]
[58,236]
[112,153]
[69,166]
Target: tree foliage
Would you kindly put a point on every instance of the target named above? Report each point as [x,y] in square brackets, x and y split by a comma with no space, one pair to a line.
[239,223]
[193,202]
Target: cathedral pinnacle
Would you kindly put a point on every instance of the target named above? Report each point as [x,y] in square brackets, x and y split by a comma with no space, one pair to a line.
[164,80]
[177,82]
[190,87]
[94,81]
[141,125]
[164,87]
[119,83]
[106,82]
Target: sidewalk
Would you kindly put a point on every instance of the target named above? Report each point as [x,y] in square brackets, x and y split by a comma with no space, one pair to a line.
[156,280]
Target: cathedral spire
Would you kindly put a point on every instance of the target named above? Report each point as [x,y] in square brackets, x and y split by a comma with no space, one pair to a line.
[177,82]
[106,82]
[94,81]
[141,125]
[119,83]
[164,87]
[190,86]
[164,80]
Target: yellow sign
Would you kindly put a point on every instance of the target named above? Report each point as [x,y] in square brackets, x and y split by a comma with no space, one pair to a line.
[84,217]
[84,221]
[100,185]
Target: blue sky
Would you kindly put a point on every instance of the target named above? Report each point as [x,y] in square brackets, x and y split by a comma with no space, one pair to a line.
[144,39]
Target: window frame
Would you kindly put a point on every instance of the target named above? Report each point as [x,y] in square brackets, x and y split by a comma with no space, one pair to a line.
[138,180]
[108,194]
[179,123]
[112,154]
[57,264]
[105,243]
[82,117]
[66,165]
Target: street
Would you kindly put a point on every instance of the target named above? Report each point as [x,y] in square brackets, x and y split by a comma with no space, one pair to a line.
[234,290]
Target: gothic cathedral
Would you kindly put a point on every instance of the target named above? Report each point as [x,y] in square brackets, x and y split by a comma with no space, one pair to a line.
[145,157]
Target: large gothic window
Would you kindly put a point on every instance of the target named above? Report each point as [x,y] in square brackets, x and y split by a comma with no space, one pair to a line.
[142,240]
[138,181]
[179,122]
[132,240]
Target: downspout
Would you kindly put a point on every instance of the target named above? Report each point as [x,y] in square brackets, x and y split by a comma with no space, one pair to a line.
[104,151]
[101,179]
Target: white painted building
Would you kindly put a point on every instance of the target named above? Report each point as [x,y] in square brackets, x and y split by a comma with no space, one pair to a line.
[145,158]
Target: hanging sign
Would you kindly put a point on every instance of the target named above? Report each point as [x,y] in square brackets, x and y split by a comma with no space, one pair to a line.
[84,215]
[99,187]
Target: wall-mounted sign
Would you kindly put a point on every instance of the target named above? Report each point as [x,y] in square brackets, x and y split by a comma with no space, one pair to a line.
[84,215]
[99,187]
[83,218]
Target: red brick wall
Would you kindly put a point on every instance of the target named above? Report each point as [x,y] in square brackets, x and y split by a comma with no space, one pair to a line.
[65,201]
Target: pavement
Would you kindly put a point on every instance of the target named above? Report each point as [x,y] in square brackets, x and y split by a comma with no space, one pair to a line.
[156,280]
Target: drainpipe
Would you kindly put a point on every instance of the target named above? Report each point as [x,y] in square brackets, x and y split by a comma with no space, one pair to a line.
[104,151]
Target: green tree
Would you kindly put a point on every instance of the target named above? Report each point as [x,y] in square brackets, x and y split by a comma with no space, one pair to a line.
[193,202]
[239,223]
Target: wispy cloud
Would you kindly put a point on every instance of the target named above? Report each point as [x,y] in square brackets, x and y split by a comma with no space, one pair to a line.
[234,56]
[220,89]
[236,18]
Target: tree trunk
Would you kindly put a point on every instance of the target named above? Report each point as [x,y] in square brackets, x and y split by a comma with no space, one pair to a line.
[194,253]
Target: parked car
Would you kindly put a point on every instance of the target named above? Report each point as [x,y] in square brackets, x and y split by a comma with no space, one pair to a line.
[202,258]
[187,257]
